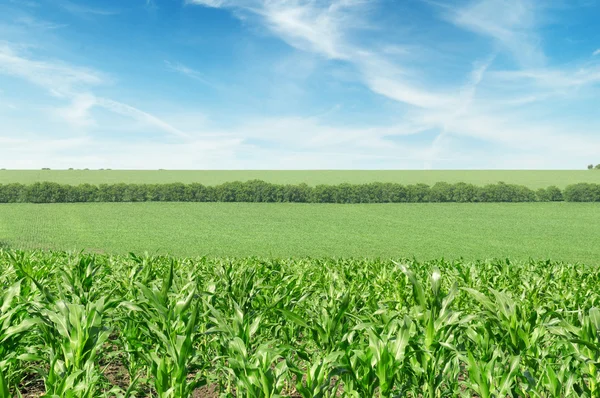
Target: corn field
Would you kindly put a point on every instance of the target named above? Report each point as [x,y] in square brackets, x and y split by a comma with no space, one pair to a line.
[80,325]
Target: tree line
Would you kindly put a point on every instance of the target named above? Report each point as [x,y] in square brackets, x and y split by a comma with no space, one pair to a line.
[261,191]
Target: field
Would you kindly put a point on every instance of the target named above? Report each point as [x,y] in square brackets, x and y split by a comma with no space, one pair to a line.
[530,178]
[556,231]
[266,300]
[81,326]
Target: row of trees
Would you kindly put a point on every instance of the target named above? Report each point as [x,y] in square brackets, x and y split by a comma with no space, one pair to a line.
[592,167]
[260,191]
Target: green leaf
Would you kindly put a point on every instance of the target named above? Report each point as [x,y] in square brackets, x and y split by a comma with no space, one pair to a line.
[295,318]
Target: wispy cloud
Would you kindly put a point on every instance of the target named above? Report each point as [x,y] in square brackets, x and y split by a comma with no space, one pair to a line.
[26,3]
[30,22]
[481,108]
[310,25]
[189,72]
[74,83]
[459,84]
[208,3]
[135,113]
[554,78]
[59,78]
[324,28]
[77,114]
[81,9]
[597,52]
[512,24]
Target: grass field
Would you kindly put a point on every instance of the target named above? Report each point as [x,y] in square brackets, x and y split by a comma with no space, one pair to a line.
[530,178]
[557,231]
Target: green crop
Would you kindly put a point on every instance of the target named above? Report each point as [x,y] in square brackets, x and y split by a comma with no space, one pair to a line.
[78,325]
[470,231]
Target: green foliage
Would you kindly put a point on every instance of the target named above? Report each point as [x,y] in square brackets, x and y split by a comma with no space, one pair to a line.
[550,194]
[168,316]
[582,192]
[442,192]
[12,193]
[258,191]
[311,328]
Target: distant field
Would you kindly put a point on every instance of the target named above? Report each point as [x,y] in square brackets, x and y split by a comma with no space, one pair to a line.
[530,178]
[557,231]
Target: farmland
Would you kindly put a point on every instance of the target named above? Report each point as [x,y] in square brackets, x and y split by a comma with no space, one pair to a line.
[240,299]
[556,231]
[83,326]
[531,178]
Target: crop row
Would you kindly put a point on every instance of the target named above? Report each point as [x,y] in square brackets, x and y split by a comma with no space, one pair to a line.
[76,325]
[260,191]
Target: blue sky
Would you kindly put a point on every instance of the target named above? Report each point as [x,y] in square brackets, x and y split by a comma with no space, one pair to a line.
[300,84]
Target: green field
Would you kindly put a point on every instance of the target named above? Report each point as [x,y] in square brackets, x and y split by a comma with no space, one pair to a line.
[530,178]
[99,326]
[557,231]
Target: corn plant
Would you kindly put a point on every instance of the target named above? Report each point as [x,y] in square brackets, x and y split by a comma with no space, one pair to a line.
[259,373]
[584,340]
[434,362]
[169,321]
[494,378]
[316,380]
[15,322]
[326,322]
[315,328]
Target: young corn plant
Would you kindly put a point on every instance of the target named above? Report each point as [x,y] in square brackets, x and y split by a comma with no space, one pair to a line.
[520,330]
[228,328]
[390,356]
[585,342]
[75,334]
[379,365]
[494,378]
[15,322]
[259,373]
[168,319]
[559,383]
[316,379]
[327,322]
[73,328]
[434,360]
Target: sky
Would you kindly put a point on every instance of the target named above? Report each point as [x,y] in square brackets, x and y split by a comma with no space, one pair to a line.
[299,84]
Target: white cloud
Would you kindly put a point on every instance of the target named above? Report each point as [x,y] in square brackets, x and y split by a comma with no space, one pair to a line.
[77,114]
[34,23]
[511,23]
[60,79]
[316,26]
[137,114]
[80,9]
[85,152]
[597,52]
[189,72]
[553,78]
[322,27]
[208,3]
[498,108]
[74,83]
[480,108]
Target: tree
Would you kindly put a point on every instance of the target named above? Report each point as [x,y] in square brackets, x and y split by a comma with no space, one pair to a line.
[441,192]
[590,166]
[582,192]
[597,166]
